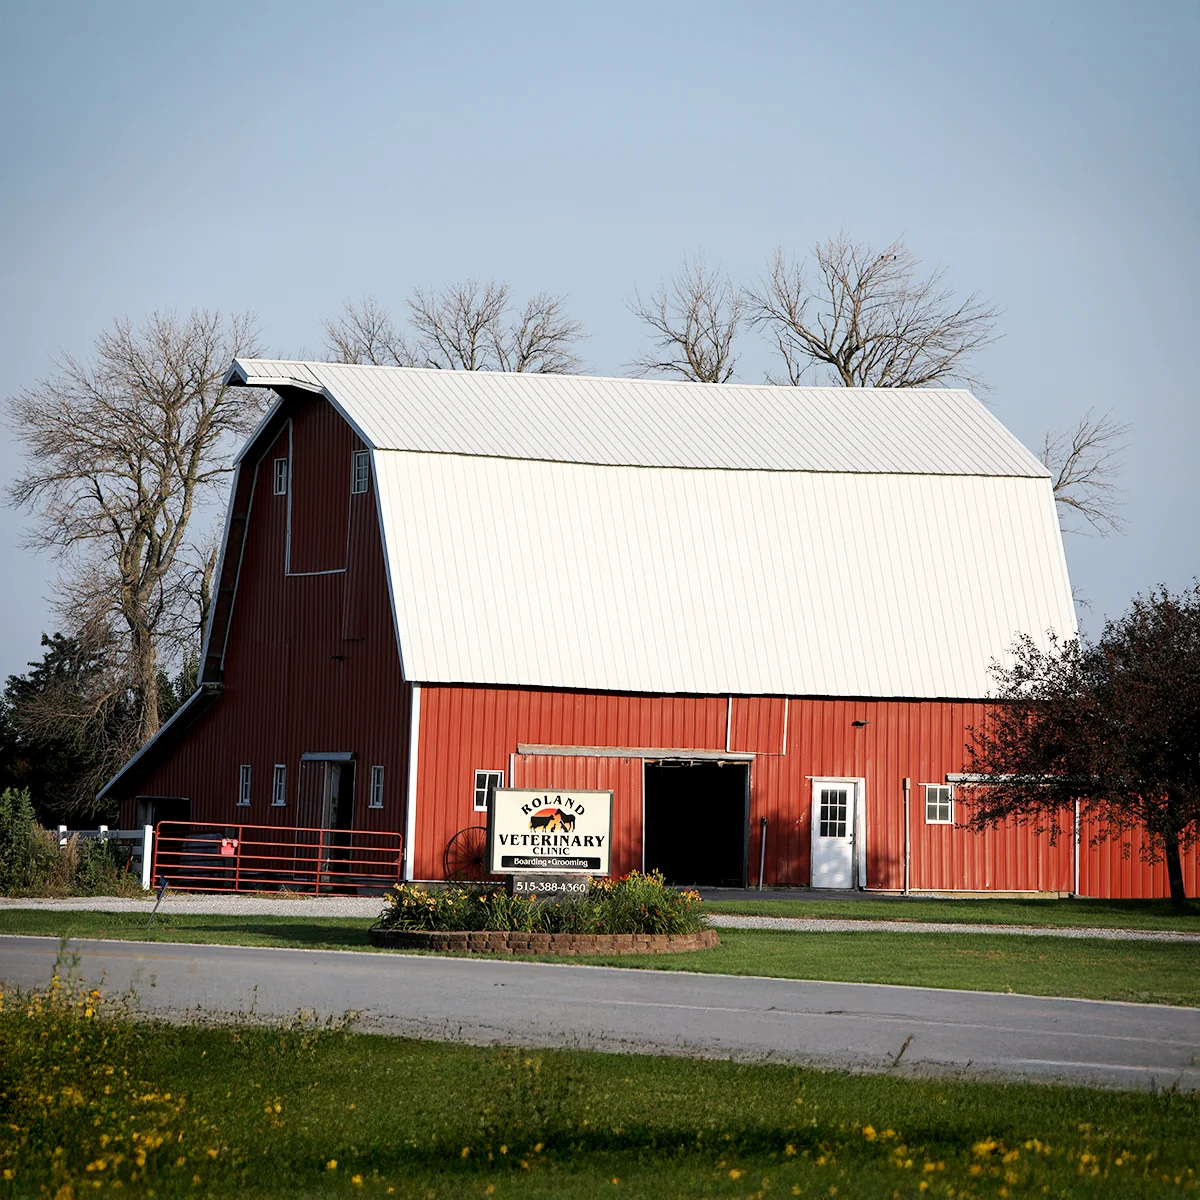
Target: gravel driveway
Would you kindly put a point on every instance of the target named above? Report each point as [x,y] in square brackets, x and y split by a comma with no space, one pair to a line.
[369,906]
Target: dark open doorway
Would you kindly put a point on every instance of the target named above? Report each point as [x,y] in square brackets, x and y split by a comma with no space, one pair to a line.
[152,809]
[697,821]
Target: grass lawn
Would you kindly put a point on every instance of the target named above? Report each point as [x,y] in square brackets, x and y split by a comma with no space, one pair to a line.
[94,1102]
[1145,972]
[1086,914]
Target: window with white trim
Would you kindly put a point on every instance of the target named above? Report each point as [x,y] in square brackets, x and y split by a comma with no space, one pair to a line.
[360,472]
[244,786]
[835,809]
[281,476]
[376,788]
[939,804]
[486,782]
[279,786]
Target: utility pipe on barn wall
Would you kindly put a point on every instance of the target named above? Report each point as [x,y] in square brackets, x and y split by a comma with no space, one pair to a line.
[907,787]
[762,851]
[1075,892]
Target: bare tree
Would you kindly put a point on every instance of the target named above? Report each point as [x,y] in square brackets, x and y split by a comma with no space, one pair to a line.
[1084,463]
[868,318]
[693,323]
[122,449]
[365,333]
[467,326]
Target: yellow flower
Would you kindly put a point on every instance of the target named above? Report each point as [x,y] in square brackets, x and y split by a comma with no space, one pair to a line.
[331,1165]
[789,1149]
[869,1133]
[734,1173]
[465,1151]
[356,1180]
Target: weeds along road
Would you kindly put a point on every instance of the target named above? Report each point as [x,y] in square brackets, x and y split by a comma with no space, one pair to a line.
[867,1027]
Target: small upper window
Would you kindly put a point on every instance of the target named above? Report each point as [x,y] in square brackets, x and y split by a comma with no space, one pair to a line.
[244,786]
[360,475]
[939,804]
[376,787]
[281,476]
[486,782]
[279,786]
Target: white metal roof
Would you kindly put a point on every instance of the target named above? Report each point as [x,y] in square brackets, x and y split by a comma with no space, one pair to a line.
[662,423]
[898,563]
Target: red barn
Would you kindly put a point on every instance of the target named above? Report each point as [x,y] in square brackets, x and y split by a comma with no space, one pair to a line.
[762,616]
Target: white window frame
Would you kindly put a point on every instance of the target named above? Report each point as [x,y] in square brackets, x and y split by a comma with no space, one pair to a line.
[376,795]
[243,800]
[279,786]
[360,472]
[280,476]
[937,797]
[485,782]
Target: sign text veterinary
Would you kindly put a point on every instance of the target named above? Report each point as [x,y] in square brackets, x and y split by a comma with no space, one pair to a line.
[546,829]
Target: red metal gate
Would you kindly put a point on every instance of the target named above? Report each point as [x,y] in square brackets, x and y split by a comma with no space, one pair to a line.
[214,857]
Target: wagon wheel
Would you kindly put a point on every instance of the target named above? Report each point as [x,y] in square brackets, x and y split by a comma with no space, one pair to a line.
[465,856]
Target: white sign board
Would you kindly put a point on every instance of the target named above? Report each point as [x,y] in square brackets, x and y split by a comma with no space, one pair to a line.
[549,830]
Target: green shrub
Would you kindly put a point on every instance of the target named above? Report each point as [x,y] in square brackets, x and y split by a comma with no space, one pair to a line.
[634,903]
[33,863]
[27,851]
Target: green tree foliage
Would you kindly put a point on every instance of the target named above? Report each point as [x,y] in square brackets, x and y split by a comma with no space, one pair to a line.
[68,724]
[1114,724]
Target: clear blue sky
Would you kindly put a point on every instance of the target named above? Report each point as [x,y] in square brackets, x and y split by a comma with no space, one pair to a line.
[284,157]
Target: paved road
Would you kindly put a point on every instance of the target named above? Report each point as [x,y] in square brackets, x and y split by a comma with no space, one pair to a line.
[859,1026]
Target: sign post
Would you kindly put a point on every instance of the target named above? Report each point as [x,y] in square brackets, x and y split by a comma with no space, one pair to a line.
[549,841]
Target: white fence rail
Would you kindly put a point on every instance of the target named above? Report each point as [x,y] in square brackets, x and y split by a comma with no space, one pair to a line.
[141,852]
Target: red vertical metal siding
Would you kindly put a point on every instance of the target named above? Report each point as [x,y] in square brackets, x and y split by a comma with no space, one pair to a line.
[465,728]
[1117,868]
[621,776]
[311,664]
[319,489]
[757,724]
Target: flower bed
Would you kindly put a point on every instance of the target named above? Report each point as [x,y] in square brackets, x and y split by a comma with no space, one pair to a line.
[567,944]
[635,904]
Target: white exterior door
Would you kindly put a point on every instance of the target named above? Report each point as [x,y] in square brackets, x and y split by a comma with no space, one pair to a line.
[833,809]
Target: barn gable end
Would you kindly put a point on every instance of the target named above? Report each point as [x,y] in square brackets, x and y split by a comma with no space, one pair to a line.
[300,656]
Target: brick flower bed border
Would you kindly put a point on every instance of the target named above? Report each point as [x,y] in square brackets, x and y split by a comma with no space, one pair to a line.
[485,942]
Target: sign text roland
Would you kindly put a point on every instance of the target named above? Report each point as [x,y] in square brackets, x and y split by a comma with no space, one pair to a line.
[549,830]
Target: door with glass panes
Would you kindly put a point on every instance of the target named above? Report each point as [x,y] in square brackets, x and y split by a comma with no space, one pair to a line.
[833,806]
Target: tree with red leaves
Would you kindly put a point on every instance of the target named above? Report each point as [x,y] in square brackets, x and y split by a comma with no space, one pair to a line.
[1114,724]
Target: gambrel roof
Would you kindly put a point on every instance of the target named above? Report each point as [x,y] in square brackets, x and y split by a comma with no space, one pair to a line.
[657,536]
